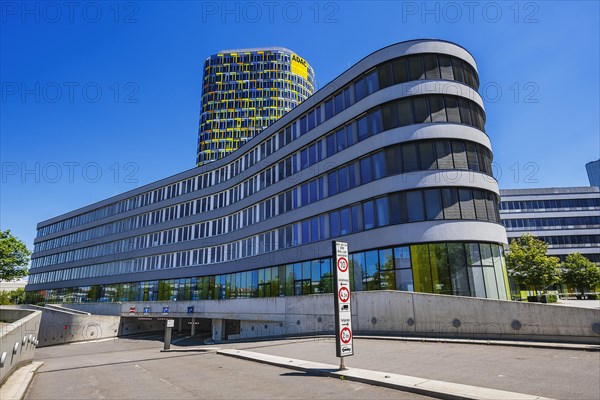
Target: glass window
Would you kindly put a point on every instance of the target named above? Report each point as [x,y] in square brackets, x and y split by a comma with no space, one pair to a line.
[363,128]
[480,208]
[340,136]
[427,155]
[465,111]
[400,70]
[436,106]
[457,70]
[451,206]
[404,280]
[343,179]
[334,224]
[402,257]
[372,279]
[440,268]
[312,154]
[345,221]
[359,270]
[372,82]
[421,110]
[393,160]
[404,113]
[347,96]
[491,205]
[390,119]
[338,103]
[452,109]
[433,204]
[378,165]
[353,175]
[360,89]
[385,75]
[314,229]
[445,67]
[365,170]
[330,140]
[409,157]
[414,203]
[459,154]
[501,278]
[421,268]
[304,194]
[376,121]
[382,211]
[356,218]
[476,285]
[329,109]
[489,276]
[467,206]
[368,215]
[311,120]
[444,154]
[431,66]
[386,269]
[398,208]
[415,67]
[472,161]
[332,183]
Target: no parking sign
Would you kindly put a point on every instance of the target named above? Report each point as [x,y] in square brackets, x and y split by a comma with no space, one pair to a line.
[343,314]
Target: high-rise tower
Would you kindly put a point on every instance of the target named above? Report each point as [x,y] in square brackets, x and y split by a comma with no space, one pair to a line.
[243,92]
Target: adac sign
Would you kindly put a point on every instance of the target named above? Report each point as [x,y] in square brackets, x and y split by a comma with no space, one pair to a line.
[299,66]
[299,60]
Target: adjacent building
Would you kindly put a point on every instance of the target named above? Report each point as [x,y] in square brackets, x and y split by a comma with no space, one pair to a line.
[593,171]
[246,90]
[568,219]
[391,157]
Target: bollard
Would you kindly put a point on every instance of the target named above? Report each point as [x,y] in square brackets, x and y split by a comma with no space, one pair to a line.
[168,328]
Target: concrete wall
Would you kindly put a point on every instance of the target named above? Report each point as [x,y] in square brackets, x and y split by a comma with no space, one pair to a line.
[391,313]
[60,326]
[18,338]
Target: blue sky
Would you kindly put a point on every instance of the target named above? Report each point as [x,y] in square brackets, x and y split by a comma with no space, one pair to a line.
[101,97]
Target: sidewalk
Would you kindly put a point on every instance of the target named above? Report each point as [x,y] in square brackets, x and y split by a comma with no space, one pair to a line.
[530,372]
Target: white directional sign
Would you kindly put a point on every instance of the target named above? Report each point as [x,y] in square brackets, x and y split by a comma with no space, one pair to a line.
[343,314]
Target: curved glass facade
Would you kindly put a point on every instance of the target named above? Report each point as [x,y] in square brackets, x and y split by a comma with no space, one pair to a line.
[396,156]
[454,268]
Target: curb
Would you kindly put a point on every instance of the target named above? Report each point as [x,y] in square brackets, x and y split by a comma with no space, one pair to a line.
[427,387]
[17,384]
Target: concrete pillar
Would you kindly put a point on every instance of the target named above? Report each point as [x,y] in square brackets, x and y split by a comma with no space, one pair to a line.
[217,329]
[193,326]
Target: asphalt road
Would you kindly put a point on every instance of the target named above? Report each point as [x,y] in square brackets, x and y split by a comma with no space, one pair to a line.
[136,369]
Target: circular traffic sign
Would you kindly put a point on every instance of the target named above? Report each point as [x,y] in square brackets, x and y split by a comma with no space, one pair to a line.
[346,335]
[342,264]
[344,294]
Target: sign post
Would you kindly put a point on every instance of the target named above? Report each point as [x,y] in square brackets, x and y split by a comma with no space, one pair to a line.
[343,314]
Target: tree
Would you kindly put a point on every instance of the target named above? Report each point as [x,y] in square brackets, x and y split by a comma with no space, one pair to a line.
[580,272]
[10,297]
[14,257]
[528,264]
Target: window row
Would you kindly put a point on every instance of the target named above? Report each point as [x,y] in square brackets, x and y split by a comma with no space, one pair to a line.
[394,208]
[571,241]
[550,205]
[524,224]
[402,158]
[463,269]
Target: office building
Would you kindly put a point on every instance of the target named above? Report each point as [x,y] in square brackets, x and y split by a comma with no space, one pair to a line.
[568,218]
[392,157]
[593,171]
[244,91]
